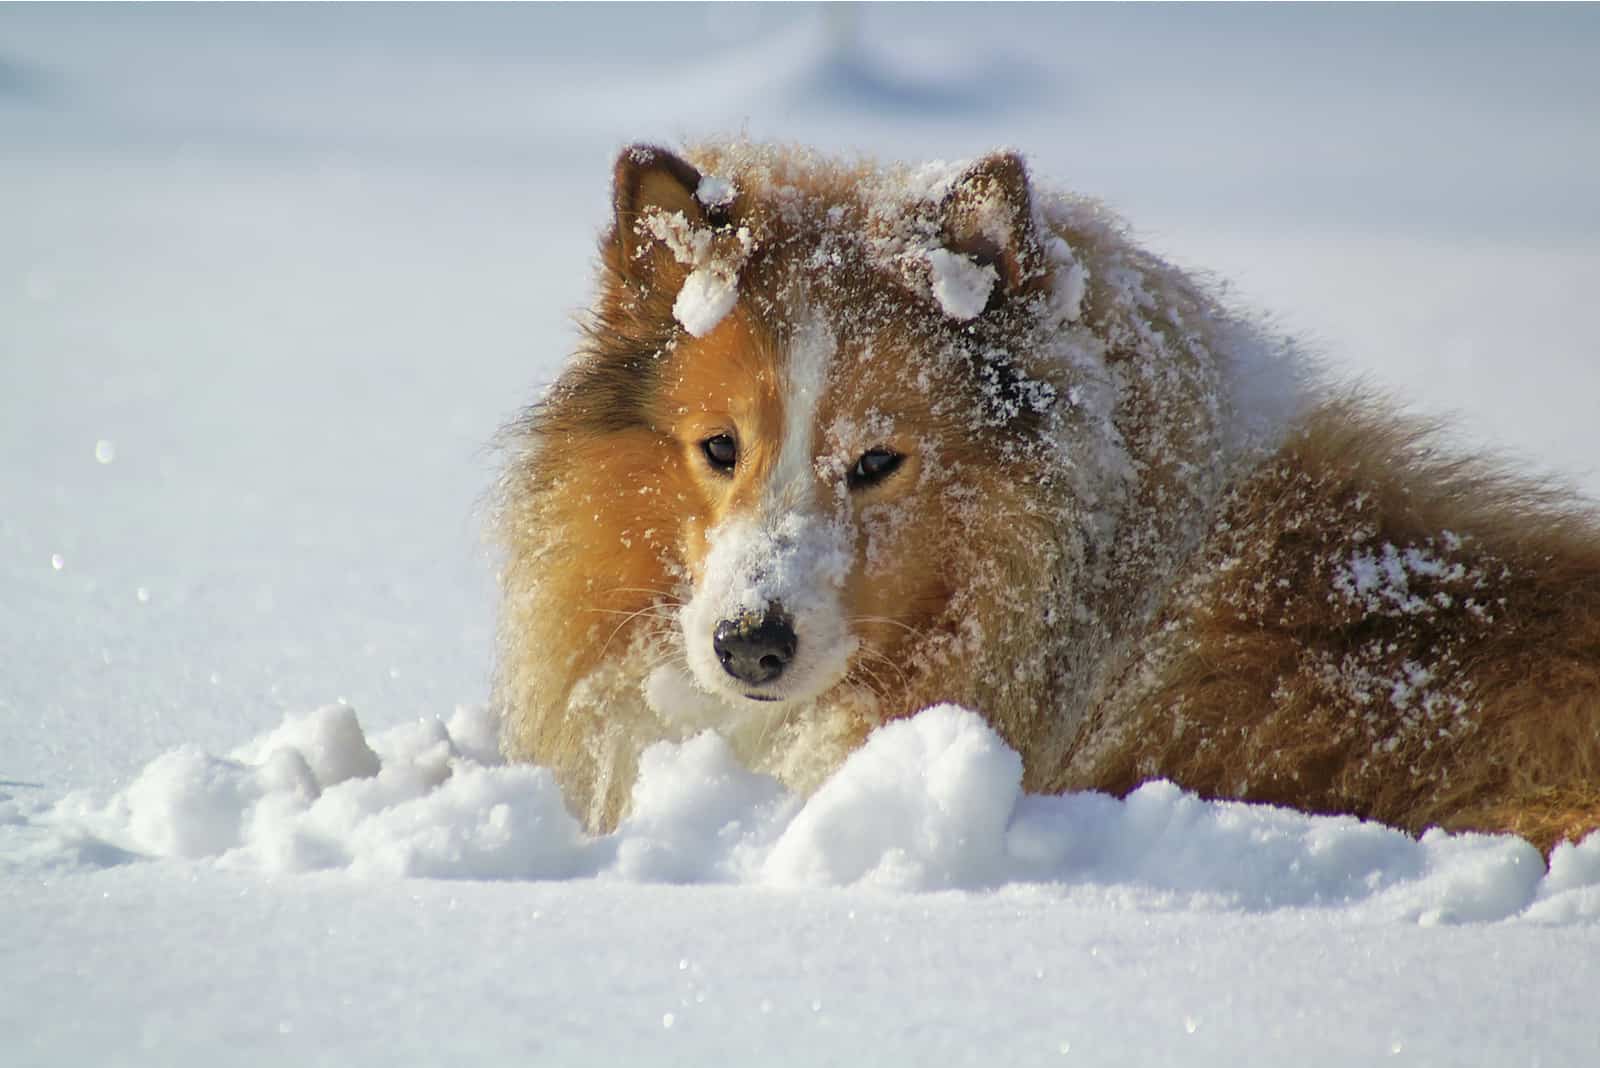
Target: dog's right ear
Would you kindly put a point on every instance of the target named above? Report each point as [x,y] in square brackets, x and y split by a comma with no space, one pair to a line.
[988,215]
[649,180]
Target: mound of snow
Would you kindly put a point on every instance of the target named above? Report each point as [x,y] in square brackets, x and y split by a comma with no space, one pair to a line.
[313,794]
[925,803]
[931,802]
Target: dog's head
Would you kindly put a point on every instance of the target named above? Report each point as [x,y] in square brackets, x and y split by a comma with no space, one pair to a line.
[813,403]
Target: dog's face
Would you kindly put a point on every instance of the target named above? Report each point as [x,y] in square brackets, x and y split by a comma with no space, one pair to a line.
[812,543]
[814,447]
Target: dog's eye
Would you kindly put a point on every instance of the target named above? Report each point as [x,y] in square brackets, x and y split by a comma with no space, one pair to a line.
[874,466]
[722,452]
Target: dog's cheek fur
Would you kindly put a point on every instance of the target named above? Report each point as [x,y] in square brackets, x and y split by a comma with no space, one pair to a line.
[899,590]
[945,546]
[945,595]
[591,540]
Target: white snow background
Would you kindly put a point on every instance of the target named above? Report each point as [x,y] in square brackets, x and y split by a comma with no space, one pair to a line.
[271,277]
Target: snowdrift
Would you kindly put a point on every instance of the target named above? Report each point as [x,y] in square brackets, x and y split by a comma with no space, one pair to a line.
[929,803]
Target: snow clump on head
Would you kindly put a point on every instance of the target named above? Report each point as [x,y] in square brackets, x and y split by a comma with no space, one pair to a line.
[711,288]
[960,286]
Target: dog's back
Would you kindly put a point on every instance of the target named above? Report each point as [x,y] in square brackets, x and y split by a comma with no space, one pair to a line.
[1376,628]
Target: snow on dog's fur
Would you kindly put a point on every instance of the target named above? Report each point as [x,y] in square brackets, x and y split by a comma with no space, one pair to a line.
[842,443]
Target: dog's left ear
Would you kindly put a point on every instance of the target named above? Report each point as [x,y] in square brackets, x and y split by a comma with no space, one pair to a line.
[988,215]
[648,178]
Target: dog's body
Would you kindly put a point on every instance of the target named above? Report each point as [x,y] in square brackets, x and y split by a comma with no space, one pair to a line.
[844,443]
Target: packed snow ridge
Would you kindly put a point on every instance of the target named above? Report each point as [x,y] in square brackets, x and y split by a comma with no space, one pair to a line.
[929,803]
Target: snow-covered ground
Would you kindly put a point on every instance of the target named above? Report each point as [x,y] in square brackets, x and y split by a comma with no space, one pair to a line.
[271,277]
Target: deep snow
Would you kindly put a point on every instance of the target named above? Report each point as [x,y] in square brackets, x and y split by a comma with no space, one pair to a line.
[270,278]
[929,803]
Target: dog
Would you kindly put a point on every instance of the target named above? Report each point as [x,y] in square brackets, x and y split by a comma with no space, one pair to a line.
[842,442]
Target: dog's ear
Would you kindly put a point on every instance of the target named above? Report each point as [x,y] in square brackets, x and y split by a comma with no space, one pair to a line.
[648,180]
[988,215]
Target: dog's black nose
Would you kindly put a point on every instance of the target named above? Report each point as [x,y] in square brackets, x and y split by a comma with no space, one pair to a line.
[755,648]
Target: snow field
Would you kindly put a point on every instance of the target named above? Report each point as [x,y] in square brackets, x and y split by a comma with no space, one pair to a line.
[295,264]
[184,963]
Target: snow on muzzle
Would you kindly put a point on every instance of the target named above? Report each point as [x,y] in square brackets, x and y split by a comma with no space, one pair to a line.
[767,619]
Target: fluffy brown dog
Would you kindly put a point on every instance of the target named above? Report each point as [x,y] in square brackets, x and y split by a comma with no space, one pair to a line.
[843,443]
